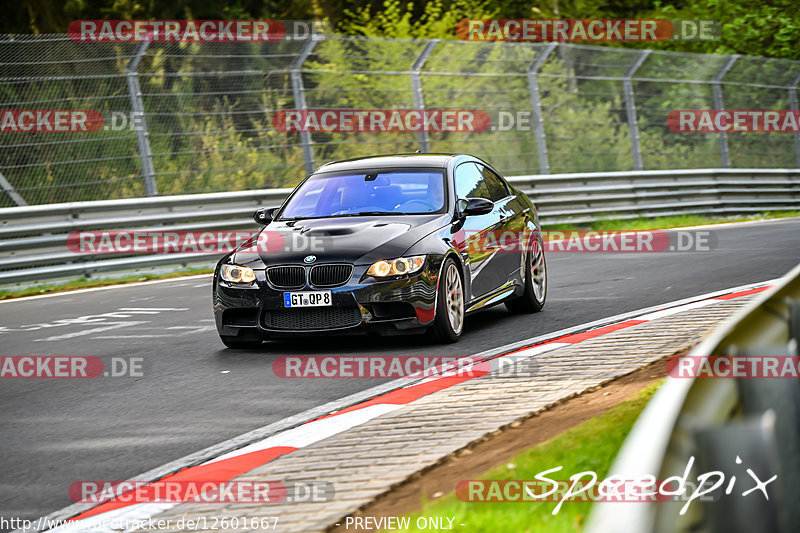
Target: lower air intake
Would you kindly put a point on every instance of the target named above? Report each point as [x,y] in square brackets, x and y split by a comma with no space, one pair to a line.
[312,318]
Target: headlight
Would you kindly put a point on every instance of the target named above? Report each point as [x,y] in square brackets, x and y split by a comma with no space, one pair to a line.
[396,267]
[237,274]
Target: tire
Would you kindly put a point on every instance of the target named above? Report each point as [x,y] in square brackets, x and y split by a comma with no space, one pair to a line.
[449,321]
[535,292]
[241,342]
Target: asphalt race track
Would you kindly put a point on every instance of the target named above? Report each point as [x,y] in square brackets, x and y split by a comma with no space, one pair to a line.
[195,393]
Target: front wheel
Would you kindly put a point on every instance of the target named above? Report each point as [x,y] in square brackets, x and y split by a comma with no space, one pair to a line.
[449,321]
[532,299]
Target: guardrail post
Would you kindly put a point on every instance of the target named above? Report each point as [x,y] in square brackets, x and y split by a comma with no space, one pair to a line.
[416,89]
[296,75]
[536,107]
[716,89]
[630,108]
[137,106]
[794,105]
[11,192]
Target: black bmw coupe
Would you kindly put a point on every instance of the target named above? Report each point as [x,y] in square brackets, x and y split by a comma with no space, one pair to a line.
[388,244]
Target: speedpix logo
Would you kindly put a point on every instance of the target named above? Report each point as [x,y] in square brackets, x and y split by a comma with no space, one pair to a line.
[615,488]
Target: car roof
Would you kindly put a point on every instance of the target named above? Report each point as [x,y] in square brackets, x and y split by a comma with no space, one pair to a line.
[396,160]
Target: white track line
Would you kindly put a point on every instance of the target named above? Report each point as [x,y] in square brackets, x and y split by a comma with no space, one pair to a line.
[104,288]
[678,309]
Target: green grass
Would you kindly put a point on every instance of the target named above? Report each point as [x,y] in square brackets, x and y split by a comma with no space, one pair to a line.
[89,283]
[676,221]
[591,445]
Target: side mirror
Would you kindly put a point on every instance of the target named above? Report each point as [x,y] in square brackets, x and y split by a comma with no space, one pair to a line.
[469,207]
[264,215]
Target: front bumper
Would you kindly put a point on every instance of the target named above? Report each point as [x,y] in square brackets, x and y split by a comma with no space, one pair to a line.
[402,305]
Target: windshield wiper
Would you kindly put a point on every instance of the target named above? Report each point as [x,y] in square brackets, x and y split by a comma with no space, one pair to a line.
[359,214]
[370,213]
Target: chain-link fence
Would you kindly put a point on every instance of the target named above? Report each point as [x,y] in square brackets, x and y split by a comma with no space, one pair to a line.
[208,110]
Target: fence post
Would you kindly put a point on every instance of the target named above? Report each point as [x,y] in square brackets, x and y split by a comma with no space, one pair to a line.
[11,192]
[630,108]
[536,107]
[142,139]
[716,89]
[298,90]
[794,105]
[416,89]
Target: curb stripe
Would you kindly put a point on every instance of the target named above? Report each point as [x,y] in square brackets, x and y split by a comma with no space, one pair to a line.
[742,293]
[592,333]
[409,394]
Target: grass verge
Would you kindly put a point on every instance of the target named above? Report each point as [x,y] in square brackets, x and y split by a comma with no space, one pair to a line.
[591,445]
[90,283]
[677,221]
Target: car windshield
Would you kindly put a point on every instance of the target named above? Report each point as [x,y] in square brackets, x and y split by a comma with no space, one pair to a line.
[391,192]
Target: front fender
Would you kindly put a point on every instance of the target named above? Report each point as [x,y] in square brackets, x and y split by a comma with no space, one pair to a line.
[439,244]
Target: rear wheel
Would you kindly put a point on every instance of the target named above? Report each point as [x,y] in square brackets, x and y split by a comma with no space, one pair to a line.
[449,321]
[535,293]
[241,341]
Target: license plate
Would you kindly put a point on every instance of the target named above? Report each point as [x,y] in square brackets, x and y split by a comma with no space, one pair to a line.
[307,299]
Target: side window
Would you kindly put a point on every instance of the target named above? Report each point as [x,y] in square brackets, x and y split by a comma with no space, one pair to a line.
[497,187]
[470,183]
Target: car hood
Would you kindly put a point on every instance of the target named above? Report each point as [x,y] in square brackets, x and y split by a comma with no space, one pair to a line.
[359,240]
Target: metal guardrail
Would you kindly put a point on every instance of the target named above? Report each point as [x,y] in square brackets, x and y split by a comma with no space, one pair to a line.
[716,420]
[33,239]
